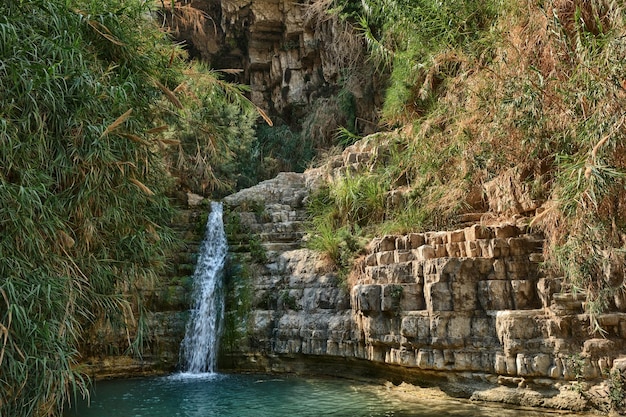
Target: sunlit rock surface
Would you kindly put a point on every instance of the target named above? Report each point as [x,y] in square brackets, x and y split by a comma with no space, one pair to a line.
[469,307]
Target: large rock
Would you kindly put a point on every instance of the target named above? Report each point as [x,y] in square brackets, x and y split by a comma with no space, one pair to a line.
[468,303]
[512,192]
[291,54]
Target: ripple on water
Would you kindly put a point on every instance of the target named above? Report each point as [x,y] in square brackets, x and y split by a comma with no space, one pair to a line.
[221,395]
[189,376]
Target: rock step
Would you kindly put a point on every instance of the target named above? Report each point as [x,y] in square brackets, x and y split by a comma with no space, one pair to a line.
[277,218]
[281,247]
[281,237]
[484,248]
[268,246]
[568,302]
[284,227]
[475,233]
[511,269]
[470,218]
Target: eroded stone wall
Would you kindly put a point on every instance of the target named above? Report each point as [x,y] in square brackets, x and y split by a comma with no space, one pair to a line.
[290,54]
[470,306]
[466,309]
[106,350]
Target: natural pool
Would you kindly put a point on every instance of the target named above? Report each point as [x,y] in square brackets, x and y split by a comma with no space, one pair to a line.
[223,395]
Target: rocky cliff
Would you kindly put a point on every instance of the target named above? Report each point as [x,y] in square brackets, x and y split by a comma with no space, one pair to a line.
[112,349]
[295,60]
[469,308]
[295,57]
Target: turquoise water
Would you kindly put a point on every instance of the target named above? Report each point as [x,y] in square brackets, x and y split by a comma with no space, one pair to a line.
[215,395]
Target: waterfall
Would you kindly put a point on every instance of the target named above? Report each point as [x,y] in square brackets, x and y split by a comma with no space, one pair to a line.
[199,348]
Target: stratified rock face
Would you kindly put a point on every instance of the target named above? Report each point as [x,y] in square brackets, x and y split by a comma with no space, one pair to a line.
[284,62]
[433,300]
[468,304]
[287,52]
[298,306]
[106,349]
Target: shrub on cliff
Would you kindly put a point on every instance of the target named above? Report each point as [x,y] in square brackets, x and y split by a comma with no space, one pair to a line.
[479,87]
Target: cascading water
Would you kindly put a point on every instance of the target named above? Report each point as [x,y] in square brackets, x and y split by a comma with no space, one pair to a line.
[200,345]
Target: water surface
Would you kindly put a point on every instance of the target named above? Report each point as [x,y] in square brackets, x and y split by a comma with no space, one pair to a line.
[219,395]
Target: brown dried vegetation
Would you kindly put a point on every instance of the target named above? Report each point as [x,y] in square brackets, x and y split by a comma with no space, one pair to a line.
[545,87]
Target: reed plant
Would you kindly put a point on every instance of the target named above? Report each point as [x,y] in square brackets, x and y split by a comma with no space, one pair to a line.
[81,188]
[89,96]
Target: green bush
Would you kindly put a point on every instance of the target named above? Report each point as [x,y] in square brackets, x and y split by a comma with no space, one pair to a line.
[238,303]
[422,43]
[210,133]
[87,90]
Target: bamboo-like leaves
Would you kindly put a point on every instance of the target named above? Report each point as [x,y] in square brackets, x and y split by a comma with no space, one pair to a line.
[4,330]
[117,122]
[169,94]
[142,187]
[134,138]
[104,32]
[156,130]
[208,124]
[264,115]
[69,149]
[170,141]
[84,111]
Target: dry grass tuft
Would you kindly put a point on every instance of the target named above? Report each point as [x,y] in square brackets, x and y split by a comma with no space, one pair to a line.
[347,49]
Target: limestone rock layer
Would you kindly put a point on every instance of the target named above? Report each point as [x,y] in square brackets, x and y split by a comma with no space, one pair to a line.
[468,304]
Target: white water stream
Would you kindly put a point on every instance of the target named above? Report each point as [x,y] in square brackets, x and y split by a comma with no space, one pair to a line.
[199,348]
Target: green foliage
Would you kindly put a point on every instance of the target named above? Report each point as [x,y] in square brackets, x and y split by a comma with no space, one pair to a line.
[338,216]
[586,223]
[345,137]
[347,105]
[257,250]
[240,237]
[409,218]
[337,120]
[576,363]
[396,291]
[358,200]
[340,246]
[347,8]
[421,43]
[238,303]
[479,87]
[326,239]
[617,395]
[87,88]
[80,200]
[288,301]
[232,226]
[210,133]
[403,189]
[278,148]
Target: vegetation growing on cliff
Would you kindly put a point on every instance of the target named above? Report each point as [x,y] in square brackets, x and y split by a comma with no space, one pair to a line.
[209,132]
[91,92]
[478,88]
